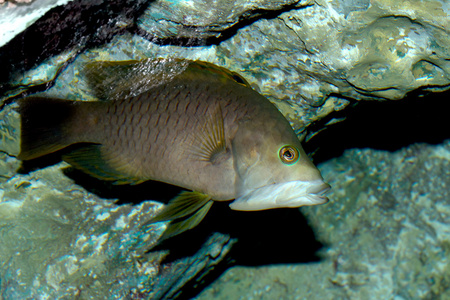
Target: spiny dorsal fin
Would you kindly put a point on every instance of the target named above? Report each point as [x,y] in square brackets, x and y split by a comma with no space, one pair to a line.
[222,72]
[94,160]
[211,139]
[184,211]
[112,80]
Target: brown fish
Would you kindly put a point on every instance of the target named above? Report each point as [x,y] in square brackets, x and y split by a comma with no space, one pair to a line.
[204,129]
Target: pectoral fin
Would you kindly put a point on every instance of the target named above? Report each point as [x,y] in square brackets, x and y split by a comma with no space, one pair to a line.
[184,211]
[211,144]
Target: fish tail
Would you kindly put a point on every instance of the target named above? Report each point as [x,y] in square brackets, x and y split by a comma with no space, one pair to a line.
[44,125]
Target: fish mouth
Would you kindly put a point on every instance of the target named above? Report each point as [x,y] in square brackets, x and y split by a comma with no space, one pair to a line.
[286,194]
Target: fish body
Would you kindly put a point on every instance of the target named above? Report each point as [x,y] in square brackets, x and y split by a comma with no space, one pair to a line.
[205,129]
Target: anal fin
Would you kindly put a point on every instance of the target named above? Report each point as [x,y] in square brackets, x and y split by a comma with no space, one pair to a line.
[95,161]
[185,212]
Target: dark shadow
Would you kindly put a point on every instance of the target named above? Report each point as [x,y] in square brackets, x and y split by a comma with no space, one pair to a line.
[28,166]
[279,236]
[267,237]
[84,23]
[125,193]
[389,125]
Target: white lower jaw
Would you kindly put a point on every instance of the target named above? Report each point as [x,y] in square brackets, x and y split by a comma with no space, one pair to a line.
[287,194]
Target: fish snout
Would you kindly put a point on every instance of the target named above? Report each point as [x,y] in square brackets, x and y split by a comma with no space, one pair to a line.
[317,191]
[285,194]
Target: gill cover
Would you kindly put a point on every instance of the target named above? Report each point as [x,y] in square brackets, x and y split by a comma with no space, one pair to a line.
[272,174]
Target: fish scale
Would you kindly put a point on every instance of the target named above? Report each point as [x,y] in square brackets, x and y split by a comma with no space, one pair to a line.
[204,129]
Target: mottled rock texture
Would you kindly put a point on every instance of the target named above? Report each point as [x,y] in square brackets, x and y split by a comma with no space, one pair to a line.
[310,58]
[60,241]
[385,233]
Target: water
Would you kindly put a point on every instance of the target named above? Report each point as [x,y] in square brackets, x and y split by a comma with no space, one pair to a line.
[384,234]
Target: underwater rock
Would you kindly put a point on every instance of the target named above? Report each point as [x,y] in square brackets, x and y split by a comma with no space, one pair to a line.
[16,16]
[201,20]
[309,58]
[385,233]
[60,241]
[49,43]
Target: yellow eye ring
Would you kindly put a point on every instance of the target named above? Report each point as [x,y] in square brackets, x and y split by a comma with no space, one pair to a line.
[289,155]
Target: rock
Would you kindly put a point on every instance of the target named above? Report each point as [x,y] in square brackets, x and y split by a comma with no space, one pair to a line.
[52,41]
[310,58]
[15,16]
[202,20]
[60,241]
[385,233]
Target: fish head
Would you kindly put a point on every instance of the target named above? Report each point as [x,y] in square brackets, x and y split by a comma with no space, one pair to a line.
[273,170]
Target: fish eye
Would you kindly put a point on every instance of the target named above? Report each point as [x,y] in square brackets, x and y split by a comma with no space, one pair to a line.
[289,155]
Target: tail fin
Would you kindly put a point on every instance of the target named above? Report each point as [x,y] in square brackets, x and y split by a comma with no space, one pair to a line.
[44,125]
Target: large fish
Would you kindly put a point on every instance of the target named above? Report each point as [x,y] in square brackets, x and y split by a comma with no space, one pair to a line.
[204,129]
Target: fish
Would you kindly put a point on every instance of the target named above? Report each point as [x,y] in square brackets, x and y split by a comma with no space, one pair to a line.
[204,128]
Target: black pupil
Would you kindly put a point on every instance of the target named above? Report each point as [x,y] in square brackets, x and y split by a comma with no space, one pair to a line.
[288,154]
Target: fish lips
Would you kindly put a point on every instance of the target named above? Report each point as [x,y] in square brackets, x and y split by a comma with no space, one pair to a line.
[286,194]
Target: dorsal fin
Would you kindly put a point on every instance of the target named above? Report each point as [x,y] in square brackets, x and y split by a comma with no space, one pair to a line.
[220,71]
[110,80]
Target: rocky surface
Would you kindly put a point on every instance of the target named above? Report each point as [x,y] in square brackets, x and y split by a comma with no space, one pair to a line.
[385,233]
[310,58]
[60,241]
[16,16]
[307,57]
